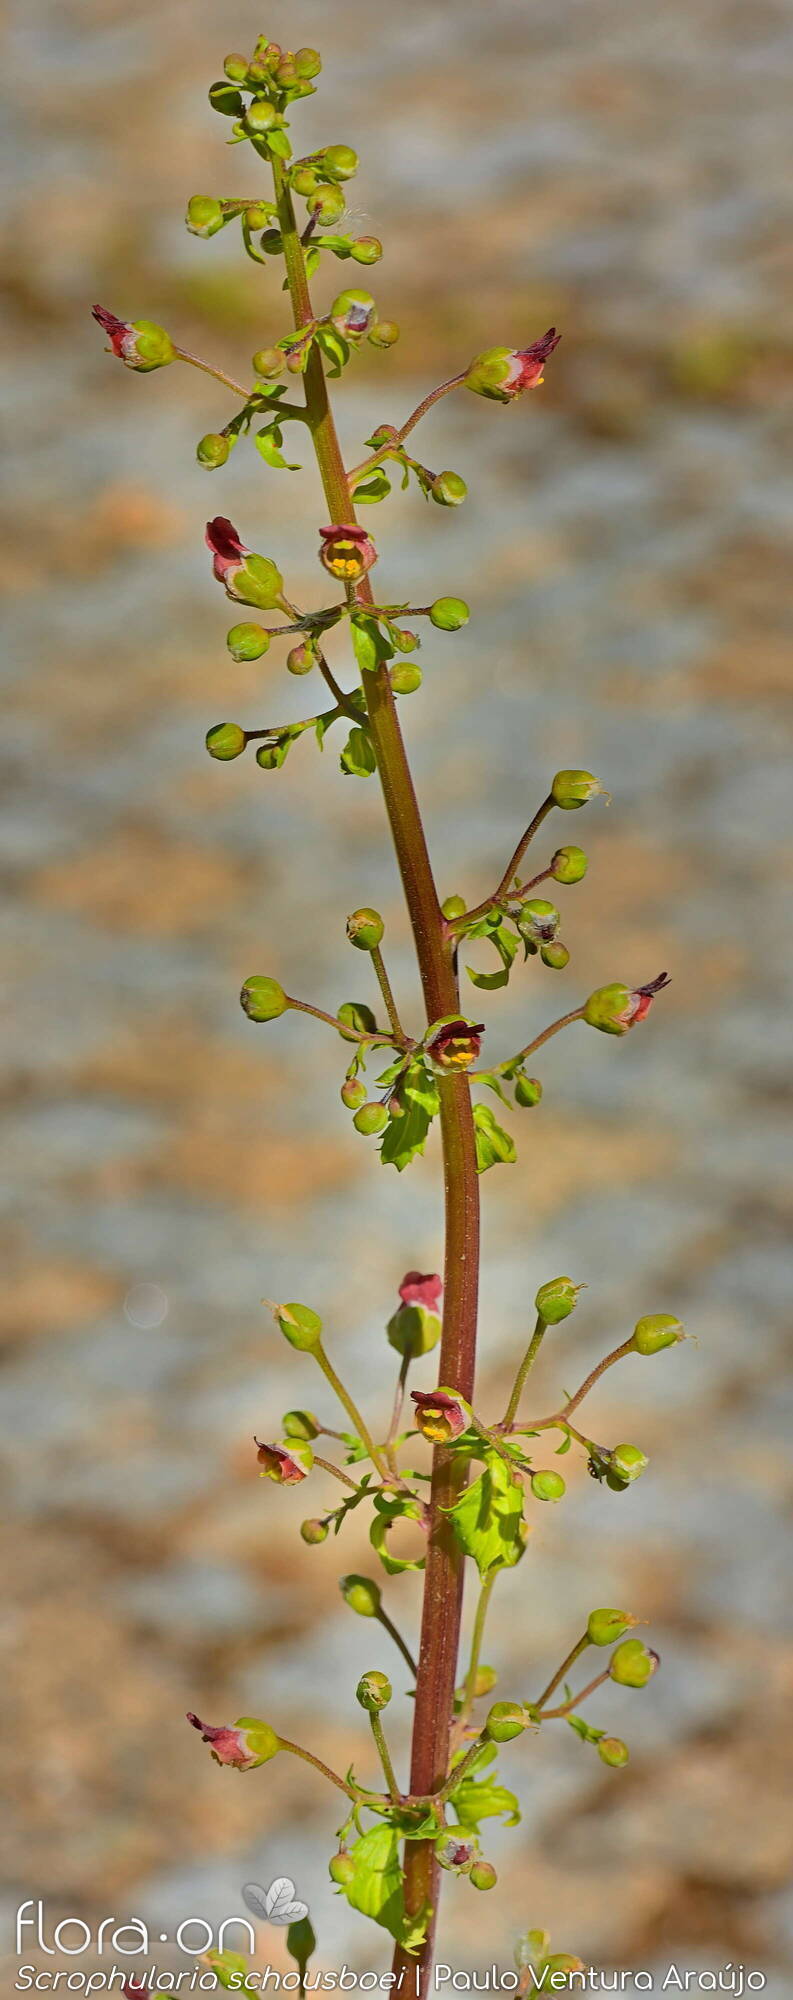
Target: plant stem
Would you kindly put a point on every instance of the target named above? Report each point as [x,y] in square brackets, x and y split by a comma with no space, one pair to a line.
[510,871]
[389,1626]
[353,1412]
[567,1707]
[528,1361]
[309,1758]
[356,1034]
[328,1466]
[476,1644]
[443,1585]
[194,362]
[564,1022]
[384,450]
[608,1361]
[385,988]
[575,1654]
[384,1755]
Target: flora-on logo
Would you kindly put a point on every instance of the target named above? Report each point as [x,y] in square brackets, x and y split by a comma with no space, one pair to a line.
[278,1904]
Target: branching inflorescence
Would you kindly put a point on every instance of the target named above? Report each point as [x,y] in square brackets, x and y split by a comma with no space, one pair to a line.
[470,1506]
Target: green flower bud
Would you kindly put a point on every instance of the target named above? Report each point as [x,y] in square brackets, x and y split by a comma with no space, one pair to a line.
[556,1299]
[405,676]
[385,333]
[505,1720]
[606,1008]
[556,955]
[262,999]
[268,362]
[247,642]
[356,1014]
[301,1424]
[299,1325]
[341,1868]
[257,216]
[225,100]
[655,1331]
[483,1875]
[260,117]
[314,1532]
[305,180]
[371,1118]
[353,1093]
[362,1594]
[569,864]
[538,921]
[606,1625]
[308,63]
[548,1486]
[340,161]
[571,789]
[327,205]
[486,1680]
[302,658]
[449,613]
[366,249]
[225,741]
[213,450]
[236,67]
[413,1330]
[613,1752]
[352,312]
[286,74]
[374,1691]
[270,756]
[627,1463]
[365,929]
[531,1947]
[528,1090]
[633,1664]
[454,906]
[448,489]
[550,1974]
[204,216]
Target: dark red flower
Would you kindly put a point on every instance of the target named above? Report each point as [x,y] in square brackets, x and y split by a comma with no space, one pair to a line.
[441,1414]
[286,1464]
[456,1043]
[347,551]
[228,551]
[421,1289]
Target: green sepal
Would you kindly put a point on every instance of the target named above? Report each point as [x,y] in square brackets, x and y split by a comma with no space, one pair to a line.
[494,1146]
[475,1799]
[277,141]
[357,759]
[389,1508]
[582,1728]
[493,1082]
[488,1517]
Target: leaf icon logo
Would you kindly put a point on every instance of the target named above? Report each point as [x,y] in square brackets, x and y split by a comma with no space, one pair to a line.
[276,1905]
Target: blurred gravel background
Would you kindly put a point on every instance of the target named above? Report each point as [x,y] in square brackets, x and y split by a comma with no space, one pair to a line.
[623,172]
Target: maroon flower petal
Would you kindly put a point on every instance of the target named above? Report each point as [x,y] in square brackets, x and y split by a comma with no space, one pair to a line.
[421,1289]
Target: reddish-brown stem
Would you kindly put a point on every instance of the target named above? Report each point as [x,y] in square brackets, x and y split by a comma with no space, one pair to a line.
[481,909]
[440,1626]
[567,1707]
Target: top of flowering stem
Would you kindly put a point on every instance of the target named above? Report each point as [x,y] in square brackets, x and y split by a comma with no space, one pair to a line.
[347,551]
[421,1289]
[455,1043]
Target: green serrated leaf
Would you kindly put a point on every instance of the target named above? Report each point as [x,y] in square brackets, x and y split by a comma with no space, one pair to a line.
[357,758]
[493,1082]
[406,1135]
[488,1517]
[313,259]
[278,142]
[494,1146]
[475,1799]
